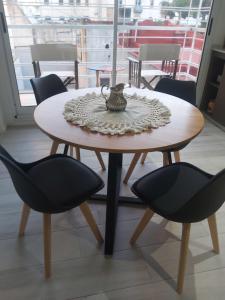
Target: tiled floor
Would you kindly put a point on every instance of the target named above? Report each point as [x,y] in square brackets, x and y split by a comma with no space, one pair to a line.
[80,270]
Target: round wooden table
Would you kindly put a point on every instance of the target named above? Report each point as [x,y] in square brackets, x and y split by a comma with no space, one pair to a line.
[186,123]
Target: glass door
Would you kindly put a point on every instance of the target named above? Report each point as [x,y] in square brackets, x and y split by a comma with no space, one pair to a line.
[181,22]
[89,25]
[8,80]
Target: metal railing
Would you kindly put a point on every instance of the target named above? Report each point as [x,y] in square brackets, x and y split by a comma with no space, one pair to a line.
[92,53]
[91,35]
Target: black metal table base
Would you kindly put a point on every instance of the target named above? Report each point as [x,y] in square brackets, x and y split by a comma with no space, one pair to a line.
[113,199]
[121,200]
[113,190]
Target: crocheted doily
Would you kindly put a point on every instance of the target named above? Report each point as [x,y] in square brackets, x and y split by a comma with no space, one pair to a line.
[141,114]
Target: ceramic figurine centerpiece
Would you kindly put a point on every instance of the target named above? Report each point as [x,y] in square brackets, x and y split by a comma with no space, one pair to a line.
[115,101]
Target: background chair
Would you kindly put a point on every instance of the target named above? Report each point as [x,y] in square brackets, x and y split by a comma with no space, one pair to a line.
[185,90]
[166,54]
[185,194]
[55,53]
[53,185]
[49,86]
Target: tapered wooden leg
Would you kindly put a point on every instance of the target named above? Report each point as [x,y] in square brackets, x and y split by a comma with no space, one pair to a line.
[54,147]
[100,159]
[91,221]
[24,219]
[131,167]
[71,151]
[183,256]
[77,153]
[47,244]
[177,156]
[214,233]
[142,224]
[144,157]
[97,78]
[165,159]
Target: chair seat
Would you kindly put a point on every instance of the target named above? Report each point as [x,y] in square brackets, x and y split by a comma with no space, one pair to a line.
[151,73]
[59,73]
[168,189]
[65,182]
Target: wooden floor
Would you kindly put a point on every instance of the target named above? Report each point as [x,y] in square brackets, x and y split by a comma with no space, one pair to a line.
[80,270]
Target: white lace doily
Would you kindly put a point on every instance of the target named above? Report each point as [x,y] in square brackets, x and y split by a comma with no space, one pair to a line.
[141,114]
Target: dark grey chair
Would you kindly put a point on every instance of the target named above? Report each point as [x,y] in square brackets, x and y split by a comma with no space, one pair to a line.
[53,185]
[185,90]
[185,194]
[48,86]
[51,85]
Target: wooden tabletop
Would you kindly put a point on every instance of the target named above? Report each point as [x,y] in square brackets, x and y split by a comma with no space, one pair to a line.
[186,123]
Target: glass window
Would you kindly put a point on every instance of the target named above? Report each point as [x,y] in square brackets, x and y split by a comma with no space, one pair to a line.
[89,25]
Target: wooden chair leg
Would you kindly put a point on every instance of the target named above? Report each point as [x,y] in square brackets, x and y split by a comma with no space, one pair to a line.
[131,167]
[144,157]
[165,159]
[47,244]
[91,221]
[24,219]
[214,233]
[77,149]
[71,151]
[54,147]
[142,224]
[177,156]
[183,256]
[100,159]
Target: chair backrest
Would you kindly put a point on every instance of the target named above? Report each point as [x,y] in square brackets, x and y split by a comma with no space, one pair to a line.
[206,201]
[47,86]
[185,90]
[53,52]
[159,52]
[24,186]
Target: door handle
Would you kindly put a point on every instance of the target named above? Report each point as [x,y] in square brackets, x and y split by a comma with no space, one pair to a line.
[210,26]
[3,22]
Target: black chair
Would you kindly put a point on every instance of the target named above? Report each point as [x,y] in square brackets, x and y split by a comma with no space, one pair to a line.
[53,185]
[185,90]
[51,85]
[48,86]
[185,194]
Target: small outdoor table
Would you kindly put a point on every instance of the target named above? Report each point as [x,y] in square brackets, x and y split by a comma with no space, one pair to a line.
[103,69]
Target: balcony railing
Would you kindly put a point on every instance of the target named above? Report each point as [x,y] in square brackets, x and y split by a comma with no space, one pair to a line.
[92,34]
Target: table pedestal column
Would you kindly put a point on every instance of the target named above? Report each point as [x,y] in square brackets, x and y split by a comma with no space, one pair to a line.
[113,191]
